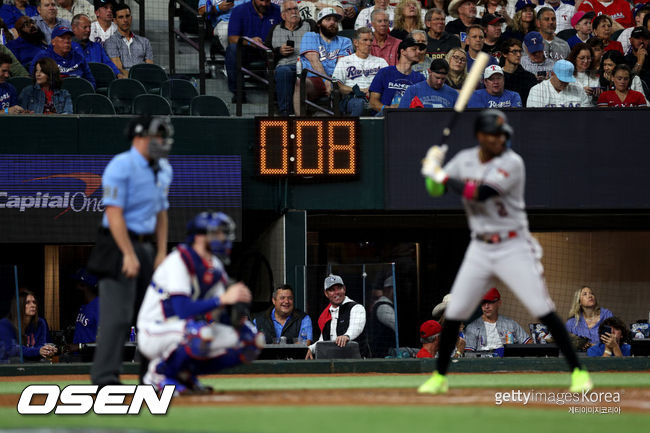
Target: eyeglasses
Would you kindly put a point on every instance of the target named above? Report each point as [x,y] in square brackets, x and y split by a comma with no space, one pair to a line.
[516,51]
[27,23]
[459,59]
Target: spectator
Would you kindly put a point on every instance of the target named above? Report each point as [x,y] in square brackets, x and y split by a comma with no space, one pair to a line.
[383,44]
[439,42]
[581,22]
[613,336]
[364,18]
[254,20]
[492,330]
[11,12]
[492,25]
[563,13]
[622,96]
[285,38]
[494,7]
[124,47]
[71,62]
[104,27]
[475,42]
[638,59]
[33,329]
[282,319]
[326,45]
[67,9]
[218,15]
[343,320]
[536,62]
[596,46]
[608,62]
[523,22]
[48,20]
[641,10]
[382,322]
[87,321]
[390,83]
[46,95]
[422,66]
[91,51]
[355,73]
[602,28]
[586,73]
[465,13]
[516,77]
[554,48]
[494,95]
[16,69]
[430,339]
[560,90]
[585,315]
[432,93]
[408,17]
[8,95]
[29,43]
[615,8]
[457,61]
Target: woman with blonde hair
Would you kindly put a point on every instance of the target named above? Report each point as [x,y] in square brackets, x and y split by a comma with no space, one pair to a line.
[457,60]
[585,315]
[408,17]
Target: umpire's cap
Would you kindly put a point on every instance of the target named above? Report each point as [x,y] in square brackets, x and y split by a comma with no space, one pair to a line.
[492,122]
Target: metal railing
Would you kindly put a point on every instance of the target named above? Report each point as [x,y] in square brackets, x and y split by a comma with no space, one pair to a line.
[335,96]
[173,33]
[141,19]
[241,70]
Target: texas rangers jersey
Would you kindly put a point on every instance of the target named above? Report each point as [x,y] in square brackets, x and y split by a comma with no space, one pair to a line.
[618,10]
[563,14]
[506,174]
[545,95]
[173,278]
[328,52]
[351,70]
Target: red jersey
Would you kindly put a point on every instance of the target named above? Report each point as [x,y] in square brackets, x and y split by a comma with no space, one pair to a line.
[614,46]
[611,99]
[618,10]
[424,353]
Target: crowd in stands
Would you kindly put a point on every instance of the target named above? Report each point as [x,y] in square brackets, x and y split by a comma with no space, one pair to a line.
[552,53]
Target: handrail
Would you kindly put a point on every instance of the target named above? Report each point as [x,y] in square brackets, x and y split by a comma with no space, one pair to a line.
[141,19]
[270,72]
[336,94]
[172,32]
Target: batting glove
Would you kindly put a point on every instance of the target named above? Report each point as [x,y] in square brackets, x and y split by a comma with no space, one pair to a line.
[437,154]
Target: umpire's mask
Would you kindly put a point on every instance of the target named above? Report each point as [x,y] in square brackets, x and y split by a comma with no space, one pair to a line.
[160,132]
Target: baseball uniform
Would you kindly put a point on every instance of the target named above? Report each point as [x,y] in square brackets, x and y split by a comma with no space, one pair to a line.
[545,95]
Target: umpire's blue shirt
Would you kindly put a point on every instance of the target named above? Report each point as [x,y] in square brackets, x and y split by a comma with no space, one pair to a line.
[244,21]
[129,183]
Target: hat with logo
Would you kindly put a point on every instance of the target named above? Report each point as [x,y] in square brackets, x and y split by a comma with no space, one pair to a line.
[82,275]
[523,3]
[580,15]
[534,42]
[429,329]
[491,70]
[410,42]
[563,70]
[332,280]
[60,31]
[492,19]
[492,295]
[640,32]
[326,12]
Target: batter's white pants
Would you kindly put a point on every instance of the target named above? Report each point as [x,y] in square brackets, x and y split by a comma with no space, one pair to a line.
[515,261]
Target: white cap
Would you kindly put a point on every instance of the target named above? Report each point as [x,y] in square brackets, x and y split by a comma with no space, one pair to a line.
[325,12]
[491,70]
[332,280]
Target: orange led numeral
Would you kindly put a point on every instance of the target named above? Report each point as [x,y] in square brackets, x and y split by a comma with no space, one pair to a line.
[267,149]
[301,125]
[349,147]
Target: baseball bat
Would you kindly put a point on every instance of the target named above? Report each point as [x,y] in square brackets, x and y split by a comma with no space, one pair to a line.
[472,79]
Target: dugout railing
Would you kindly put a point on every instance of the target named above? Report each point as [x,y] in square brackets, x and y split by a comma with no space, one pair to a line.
[334,98]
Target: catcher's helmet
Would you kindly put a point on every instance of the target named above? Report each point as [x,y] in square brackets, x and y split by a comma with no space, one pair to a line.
[206,222]
[493,122]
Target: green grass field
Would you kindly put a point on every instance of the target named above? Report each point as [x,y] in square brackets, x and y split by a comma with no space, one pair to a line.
[361,419]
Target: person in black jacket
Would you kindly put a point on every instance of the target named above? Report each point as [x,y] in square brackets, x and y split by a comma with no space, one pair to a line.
[517,78]
[283,320]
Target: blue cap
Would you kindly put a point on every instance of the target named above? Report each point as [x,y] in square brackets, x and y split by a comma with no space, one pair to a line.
[60,31]
[563,70]
[523,3]
[534,42]
[82,275]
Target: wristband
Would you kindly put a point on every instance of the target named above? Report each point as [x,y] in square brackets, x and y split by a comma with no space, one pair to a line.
[469,190]
[6,110]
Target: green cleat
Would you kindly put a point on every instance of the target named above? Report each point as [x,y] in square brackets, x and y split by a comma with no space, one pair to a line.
[580,381]
[437,384]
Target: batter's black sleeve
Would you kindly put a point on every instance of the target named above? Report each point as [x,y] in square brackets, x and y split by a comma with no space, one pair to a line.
[458,186]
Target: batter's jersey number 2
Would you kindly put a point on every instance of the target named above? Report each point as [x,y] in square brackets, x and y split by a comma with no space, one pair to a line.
[307,147]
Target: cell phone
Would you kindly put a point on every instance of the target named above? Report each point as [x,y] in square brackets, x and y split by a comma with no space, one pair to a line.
[607,330]
[463,36]
[290,43]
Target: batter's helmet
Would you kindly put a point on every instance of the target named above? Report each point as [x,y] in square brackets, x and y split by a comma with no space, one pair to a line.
[213,221]
[493,122]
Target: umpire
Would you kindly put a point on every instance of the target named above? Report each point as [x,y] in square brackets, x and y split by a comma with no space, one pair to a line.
[135,183]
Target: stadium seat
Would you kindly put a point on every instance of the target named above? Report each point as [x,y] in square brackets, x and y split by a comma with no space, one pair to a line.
[77,86]
[122,92]
[151,105]
[150,75]
[179,93]
[103,74]
[348,33]
[93,103]
[206,105]
[20,82]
